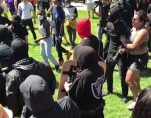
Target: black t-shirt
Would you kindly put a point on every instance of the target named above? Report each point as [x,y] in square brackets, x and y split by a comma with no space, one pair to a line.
[115,32]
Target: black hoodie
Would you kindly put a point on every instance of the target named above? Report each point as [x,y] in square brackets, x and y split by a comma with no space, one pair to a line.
[21,70]
[38,99]
[37,96]
[86,90]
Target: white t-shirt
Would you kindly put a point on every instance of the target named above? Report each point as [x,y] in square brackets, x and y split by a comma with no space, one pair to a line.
[24,10]
[69,12]
[42,29]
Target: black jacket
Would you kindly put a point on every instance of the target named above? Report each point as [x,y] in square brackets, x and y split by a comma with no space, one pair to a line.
[21,70]
[115,31]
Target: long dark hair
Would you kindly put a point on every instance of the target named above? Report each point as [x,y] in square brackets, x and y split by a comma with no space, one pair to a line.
[143,105]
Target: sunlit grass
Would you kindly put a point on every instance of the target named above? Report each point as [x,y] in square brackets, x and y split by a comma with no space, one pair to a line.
[114,107]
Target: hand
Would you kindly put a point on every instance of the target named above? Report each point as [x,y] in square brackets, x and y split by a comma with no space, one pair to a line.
[122,50]
[37,40]
[123,40]
[113,61]
[115,58]
[67,86]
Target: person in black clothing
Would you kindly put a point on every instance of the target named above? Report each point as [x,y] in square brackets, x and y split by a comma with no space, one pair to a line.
[116,28]
[39,100]
[87,84]
[4,20]
[133,5]
[104,7]
[5,60]
[143,5]
[18,30]
[24,66]
[5,43]
[126,12]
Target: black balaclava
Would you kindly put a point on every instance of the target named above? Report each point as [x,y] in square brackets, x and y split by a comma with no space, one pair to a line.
[36,94]
[114,14]
[19,49]
[86,57]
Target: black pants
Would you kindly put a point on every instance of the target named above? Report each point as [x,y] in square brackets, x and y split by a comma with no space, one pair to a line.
[122,72]
[72,35]
[28,22]
[59,47]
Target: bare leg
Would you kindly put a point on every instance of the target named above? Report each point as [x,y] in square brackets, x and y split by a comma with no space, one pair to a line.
[137,83]
[131,77]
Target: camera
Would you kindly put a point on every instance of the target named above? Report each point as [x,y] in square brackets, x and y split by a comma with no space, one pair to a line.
[71,73]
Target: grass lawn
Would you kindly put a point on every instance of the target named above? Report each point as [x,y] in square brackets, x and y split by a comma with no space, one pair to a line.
[114,107]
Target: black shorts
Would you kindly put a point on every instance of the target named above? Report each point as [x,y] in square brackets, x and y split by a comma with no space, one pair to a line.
[137,62]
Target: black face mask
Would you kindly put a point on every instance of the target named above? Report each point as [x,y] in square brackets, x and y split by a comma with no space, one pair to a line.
[113,17]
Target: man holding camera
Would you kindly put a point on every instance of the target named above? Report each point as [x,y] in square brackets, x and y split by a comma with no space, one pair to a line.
[87,84]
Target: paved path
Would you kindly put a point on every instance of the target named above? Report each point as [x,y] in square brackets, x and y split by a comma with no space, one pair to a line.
[79,6]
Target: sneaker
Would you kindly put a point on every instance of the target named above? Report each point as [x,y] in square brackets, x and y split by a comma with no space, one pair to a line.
[124,99]
[61,62]
[57,67]
[68,54]
[131,106]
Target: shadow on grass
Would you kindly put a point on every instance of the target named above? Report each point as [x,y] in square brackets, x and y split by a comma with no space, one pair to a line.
[146,73]
[120,96]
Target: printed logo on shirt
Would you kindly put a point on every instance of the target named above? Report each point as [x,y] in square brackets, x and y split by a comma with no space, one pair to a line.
[97,87]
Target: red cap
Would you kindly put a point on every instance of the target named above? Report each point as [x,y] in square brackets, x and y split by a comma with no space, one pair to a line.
[84,28]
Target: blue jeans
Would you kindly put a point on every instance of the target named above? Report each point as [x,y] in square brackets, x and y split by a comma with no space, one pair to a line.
[45,50]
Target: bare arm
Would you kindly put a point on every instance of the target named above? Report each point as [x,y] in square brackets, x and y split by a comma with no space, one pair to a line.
[15,4]
[34,15]
[139,39]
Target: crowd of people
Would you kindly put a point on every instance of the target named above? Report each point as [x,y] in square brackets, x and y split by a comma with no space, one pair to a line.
[27,85]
